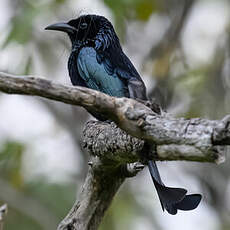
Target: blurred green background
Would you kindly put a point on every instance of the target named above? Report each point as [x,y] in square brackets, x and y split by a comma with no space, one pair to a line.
[181,49]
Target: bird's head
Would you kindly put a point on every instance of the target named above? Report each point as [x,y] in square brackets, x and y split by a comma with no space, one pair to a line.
[88,29]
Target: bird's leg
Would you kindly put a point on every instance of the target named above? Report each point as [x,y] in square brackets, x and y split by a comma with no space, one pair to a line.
[132,169]
[108,121]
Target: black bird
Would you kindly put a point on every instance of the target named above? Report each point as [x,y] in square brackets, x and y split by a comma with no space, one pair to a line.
[97,61]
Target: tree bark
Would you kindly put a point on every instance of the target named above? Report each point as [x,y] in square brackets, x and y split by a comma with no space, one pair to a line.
[113,146]
[194,139]
[100,186]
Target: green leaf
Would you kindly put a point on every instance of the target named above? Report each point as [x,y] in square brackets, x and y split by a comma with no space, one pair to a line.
[22,26]
[144,9]
[11,162]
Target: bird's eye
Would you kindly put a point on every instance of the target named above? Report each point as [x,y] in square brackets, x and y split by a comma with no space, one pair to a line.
[83,25]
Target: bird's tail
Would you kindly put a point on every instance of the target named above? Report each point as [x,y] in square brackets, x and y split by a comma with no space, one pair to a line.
[172,199]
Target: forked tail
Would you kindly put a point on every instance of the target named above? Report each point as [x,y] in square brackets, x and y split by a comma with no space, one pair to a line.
[172,199]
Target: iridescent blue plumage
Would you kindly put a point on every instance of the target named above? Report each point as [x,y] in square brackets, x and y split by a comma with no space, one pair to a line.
[97,61]
[97,48]
[99,76]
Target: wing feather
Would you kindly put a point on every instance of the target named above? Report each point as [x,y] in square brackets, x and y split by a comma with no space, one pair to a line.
[99,76]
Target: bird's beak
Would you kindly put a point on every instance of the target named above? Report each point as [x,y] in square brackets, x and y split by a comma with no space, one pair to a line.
[62,26]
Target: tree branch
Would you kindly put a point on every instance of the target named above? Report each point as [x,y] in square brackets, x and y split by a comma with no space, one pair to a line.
[107,141]
[112,148]
[178,138]
[96,194]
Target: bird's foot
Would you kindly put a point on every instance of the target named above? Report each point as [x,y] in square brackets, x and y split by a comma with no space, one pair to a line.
[132,169]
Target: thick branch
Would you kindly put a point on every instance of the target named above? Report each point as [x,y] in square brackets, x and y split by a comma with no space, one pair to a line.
[198,137]
[99,188]
[111,148]
[109,142]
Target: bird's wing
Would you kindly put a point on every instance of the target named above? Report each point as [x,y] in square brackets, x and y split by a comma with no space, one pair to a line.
[97,76]
[117,62]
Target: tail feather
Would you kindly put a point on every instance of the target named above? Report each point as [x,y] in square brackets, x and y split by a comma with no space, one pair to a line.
[190,202]
[166,195]
[172,199]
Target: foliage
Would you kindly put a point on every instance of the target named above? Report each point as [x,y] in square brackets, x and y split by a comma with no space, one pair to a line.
[181,87]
